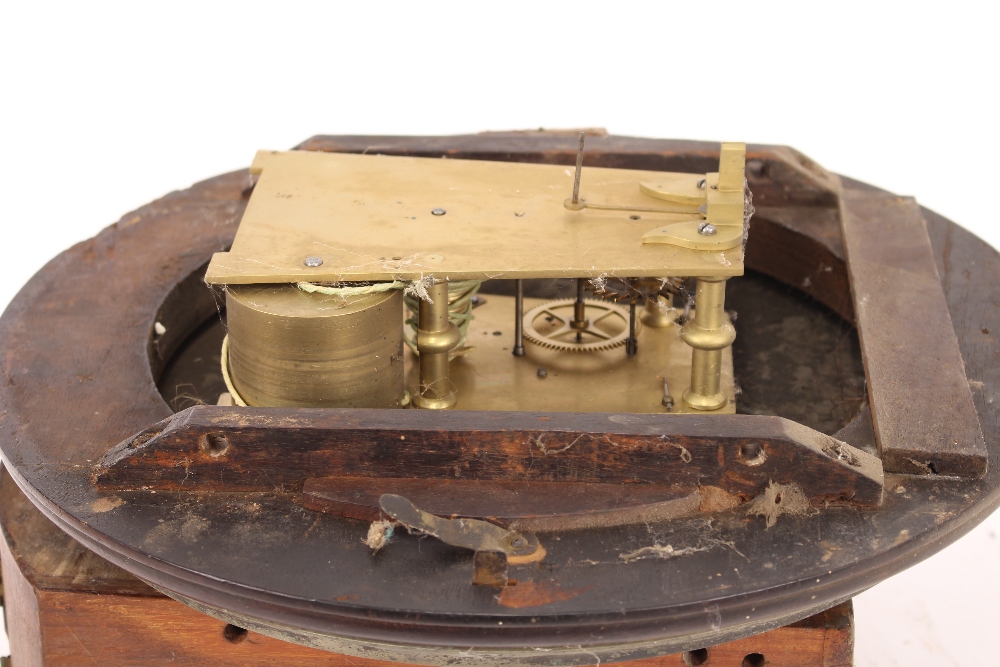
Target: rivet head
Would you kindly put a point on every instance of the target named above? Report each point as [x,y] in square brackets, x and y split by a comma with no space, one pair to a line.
[438,211]
[706,229]
[313,261]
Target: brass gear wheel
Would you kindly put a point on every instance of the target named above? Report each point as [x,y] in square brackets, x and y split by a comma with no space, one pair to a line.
[549,326]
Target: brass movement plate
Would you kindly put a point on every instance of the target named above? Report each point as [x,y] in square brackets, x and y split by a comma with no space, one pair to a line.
[369,217]
[491,378]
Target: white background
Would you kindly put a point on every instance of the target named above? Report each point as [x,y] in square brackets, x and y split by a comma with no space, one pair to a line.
[104,107]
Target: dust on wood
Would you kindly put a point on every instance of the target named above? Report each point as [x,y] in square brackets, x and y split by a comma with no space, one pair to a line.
[779,499]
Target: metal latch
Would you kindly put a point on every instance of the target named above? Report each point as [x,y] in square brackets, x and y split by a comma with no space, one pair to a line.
[494,547]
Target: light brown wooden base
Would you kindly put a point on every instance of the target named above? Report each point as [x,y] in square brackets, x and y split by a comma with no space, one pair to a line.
[64,605]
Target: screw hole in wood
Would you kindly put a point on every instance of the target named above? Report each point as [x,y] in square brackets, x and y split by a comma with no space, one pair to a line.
[214,444]
[699,656]
[234,634]
[752,453]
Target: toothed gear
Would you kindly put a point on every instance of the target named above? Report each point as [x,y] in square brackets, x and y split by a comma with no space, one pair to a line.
[563,336]
[626,290]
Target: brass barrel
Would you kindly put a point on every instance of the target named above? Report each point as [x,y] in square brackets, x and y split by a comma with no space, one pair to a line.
[288,348]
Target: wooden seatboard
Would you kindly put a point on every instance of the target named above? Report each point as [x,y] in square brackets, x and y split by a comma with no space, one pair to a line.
[925,420]
[232,449]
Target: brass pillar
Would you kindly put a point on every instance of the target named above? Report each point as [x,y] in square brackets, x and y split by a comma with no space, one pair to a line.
[709,332]
[436,336]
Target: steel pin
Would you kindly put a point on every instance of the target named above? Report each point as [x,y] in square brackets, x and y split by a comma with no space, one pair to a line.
[519,319]
[579,170]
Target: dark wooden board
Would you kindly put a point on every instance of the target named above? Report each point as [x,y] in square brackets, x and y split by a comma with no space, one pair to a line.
[925,420]
[259,449]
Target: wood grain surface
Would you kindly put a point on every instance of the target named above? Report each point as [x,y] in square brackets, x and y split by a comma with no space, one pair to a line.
[925,420]
[236,449]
